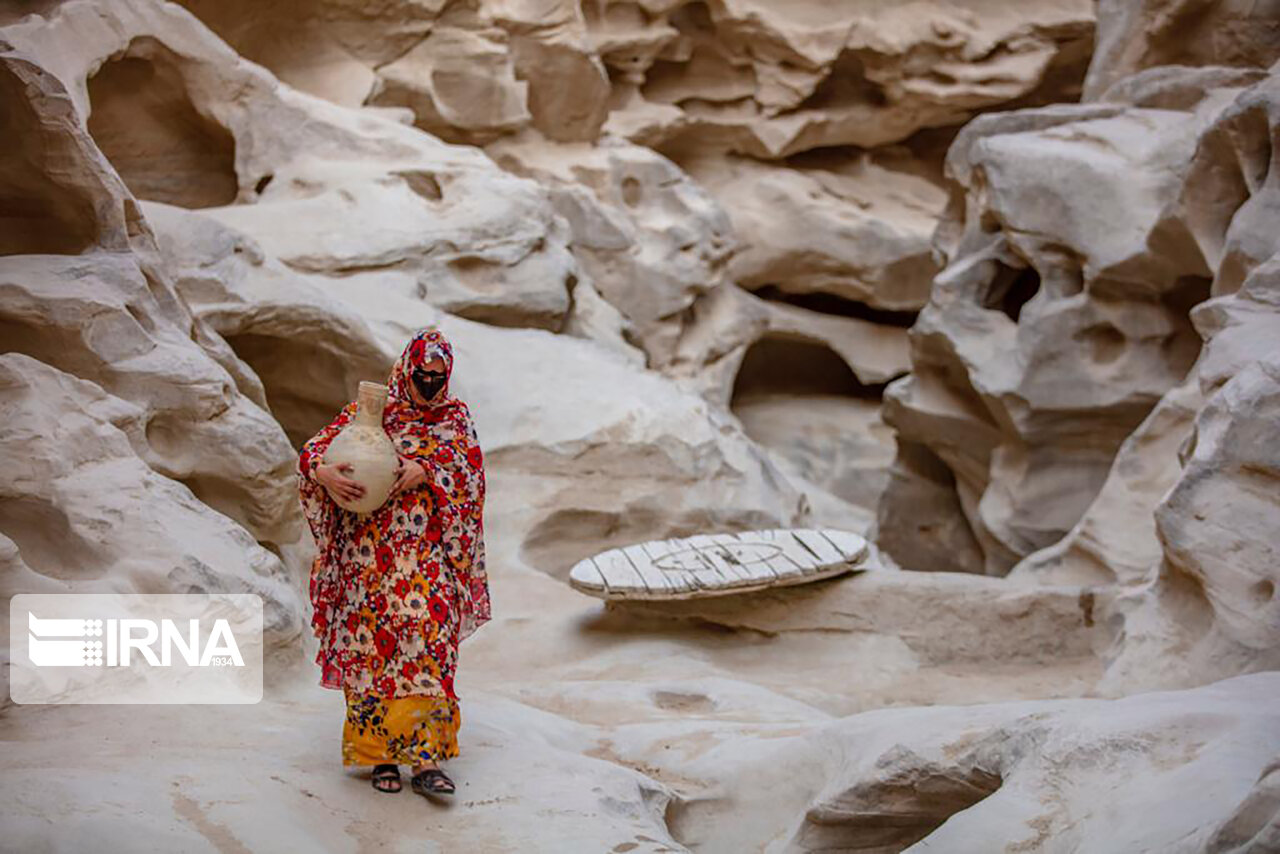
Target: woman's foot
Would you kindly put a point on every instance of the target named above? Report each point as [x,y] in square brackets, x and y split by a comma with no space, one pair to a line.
[386,777]
[430,779]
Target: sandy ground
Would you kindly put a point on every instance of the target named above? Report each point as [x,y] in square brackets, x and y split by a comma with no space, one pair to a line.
[576,726]
[580,726]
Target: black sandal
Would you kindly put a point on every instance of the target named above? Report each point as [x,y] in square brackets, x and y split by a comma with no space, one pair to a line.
[433,781]
[384,773]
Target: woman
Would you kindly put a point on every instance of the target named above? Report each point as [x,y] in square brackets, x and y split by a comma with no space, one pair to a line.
[397,590]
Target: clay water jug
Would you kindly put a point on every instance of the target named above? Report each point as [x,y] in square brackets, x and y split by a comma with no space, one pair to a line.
[365,445]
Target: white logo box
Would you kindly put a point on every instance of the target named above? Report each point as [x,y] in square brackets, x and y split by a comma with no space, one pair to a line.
[135,648]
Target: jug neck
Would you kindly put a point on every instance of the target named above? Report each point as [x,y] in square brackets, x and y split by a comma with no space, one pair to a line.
[370,402]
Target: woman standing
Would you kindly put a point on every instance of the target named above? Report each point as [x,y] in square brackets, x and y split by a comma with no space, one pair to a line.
[397,590]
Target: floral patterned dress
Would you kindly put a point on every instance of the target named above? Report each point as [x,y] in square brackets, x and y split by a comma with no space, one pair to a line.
[395,591]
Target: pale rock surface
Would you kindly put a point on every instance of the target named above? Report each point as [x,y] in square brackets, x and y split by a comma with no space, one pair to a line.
[310,350]
[117,398]
[805,384]
[763,79]
[440,220]
[1134,35]
[837,443]
[460,85]
[769,79]
[1115,541]
[1060,319]
[89,511]
[855,227]
[1208,606]
[1151,772]
[650,239]
[325,235]
[469,72]
[1181,525]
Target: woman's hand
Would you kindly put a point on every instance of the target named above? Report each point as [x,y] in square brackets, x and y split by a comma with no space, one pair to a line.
[333,479]
[409,474]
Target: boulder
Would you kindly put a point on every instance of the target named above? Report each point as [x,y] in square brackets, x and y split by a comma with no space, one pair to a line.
[1061,318]
[855,227]
[1135,36]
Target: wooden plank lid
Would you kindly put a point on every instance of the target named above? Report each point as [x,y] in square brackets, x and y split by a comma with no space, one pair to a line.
[717,564]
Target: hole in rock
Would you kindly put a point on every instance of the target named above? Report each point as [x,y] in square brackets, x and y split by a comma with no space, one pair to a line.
[261,186]
[898,809]
[840,306]
[846,86]
[1181,347]
[1263,591]
[144,120]
[1011,289]
[680,701]
[775,365]
[632,191]
[1105,343]
[424,184]
[802,401]
[306,384]
[47,541]
[38,214]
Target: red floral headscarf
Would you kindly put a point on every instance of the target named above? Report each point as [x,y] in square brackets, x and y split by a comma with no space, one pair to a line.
[426,345]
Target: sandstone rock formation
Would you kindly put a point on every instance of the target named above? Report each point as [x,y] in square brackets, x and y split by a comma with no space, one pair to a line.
[1060,775]
[1133,36]
[707,266]
[1069,252]
[135,438]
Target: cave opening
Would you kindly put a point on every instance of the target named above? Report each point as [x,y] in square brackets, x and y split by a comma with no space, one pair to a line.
[776,365]
[801,400]
[839,306]
[846,86]
[1011,289]
[146,123]
[306,384]
[1181,347]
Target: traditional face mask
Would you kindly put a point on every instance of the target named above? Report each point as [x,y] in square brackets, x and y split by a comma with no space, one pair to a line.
[428,383]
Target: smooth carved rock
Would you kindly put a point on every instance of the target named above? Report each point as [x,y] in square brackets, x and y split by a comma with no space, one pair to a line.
[86,503]
[858,227]
[1032,775]
[60,196]
[1180,520]
[1134,35]
[770,80]
[100,346]
[718,564]
[1063,304]
[469,73]
[439,220]
[649,238]
[308,348]
[460,85]
[763,80]
[1207,606]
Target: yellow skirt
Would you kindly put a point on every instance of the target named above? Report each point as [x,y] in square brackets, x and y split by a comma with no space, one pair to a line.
[403,730]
